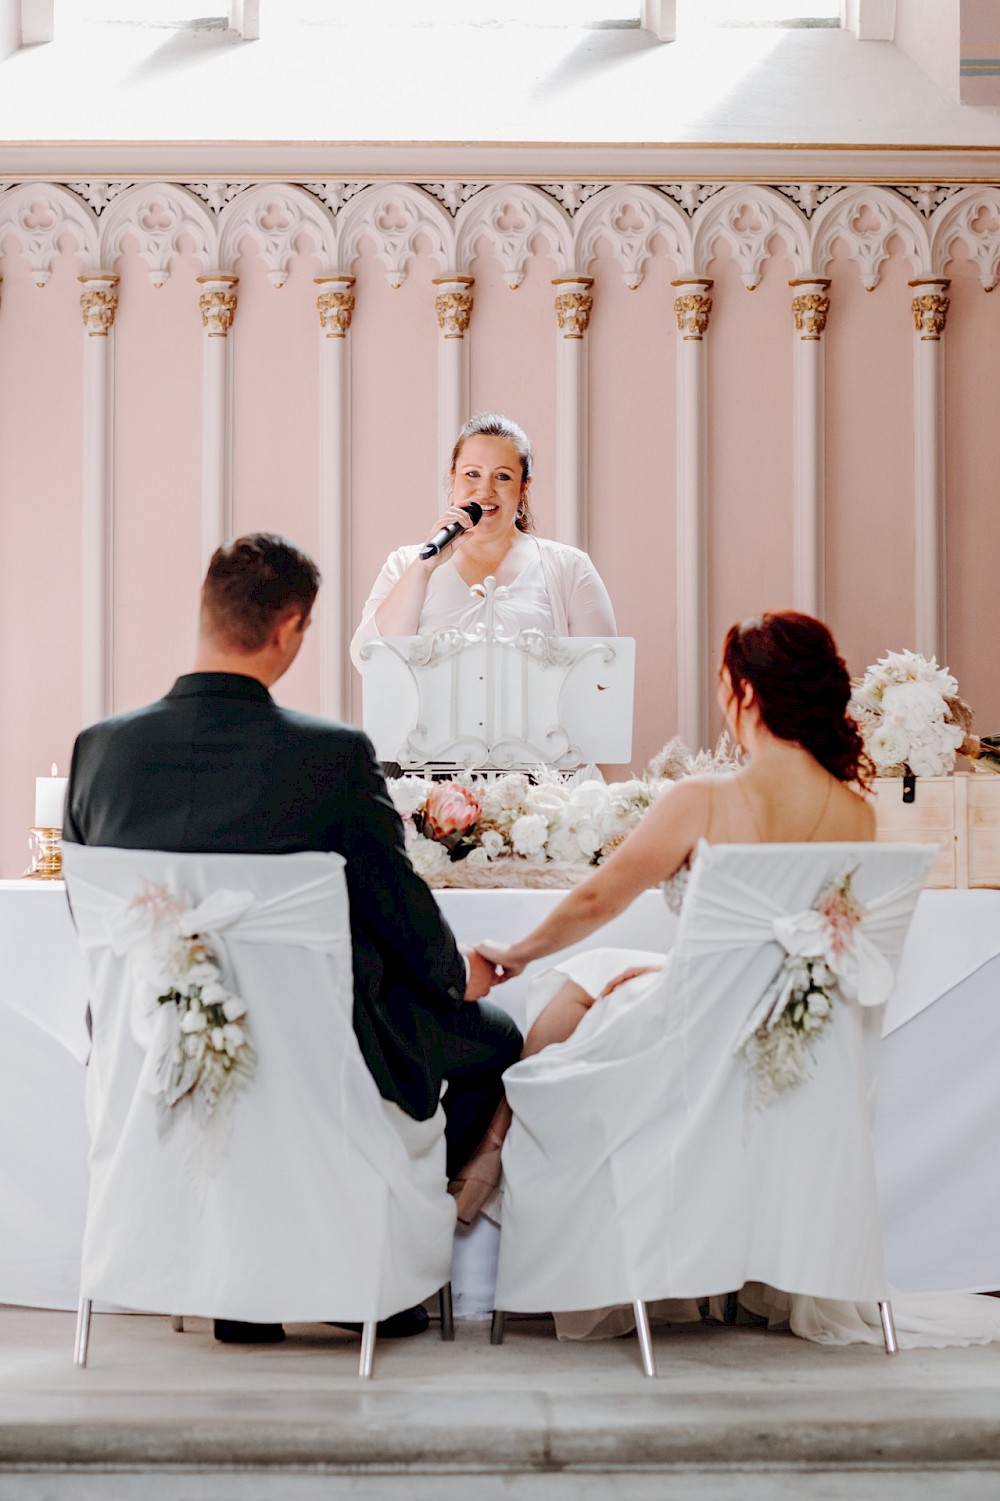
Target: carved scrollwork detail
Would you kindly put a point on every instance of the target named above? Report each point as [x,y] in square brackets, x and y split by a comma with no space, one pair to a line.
[215,194]
[454,310]
[99,305]
[38,215]
[394,216]
[98,194]
[336,310]
[158,216]
[865,219]
[275,217]
[452,194]
[810,310]
[693,310]
[930,313]
[630,218]
[511,217]
[573,311]
[972,218]
[218,309]
[747,221]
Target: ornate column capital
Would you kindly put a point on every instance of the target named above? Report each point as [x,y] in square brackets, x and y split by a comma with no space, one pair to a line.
[454,305]
[99,303]
[218,304]
[694,307]
[335,305]
[573,306]
[930,307]
[810,307]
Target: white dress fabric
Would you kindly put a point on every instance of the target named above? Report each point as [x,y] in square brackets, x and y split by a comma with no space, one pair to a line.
[633,1169]
[326,1202]
[559,591]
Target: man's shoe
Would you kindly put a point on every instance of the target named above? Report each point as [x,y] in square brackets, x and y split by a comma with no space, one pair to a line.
[236,1332]
[398,1326]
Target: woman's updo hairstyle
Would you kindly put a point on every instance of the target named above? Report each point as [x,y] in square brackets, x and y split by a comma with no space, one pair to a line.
[801,686]
[495,425]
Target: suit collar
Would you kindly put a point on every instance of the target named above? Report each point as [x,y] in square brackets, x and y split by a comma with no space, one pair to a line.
[219,685]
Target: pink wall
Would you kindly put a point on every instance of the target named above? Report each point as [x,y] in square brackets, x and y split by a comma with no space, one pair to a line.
[397,486]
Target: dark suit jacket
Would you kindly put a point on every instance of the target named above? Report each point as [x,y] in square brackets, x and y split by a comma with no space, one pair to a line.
[218,767]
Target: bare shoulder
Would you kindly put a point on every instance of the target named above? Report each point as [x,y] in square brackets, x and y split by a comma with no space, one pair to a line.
[857,813]
[686,803]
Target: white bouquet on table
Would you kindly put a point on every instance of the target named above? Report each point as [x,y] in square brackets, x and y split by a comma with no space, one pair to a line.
[910,716]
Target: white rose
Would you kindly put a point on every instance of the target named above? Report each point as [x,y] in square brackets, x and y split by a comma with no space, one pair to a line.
[193,1020]
[589,798]
[510,790]
[218,1041]
[213,993]
[493,843]
[233,1008]
[477,858]
[427,856]
[408,794]
[562,844]
[202,973]
[548,799]
[887,746]
[588,837]
[819,1005]
[528,834]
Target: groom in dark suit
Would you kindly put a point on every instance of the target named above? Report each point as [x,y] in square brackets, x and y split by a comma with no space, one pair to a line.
[218,767]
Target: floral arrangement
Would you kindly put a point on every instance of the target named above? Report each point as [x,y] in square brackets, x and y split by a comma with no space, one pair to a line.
[475,829]
[911,717]
[783,1031]
[207,1054]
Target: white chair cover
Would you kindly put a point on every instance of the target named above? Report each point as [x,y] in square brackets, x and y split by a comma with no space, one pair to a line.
[328,1202]
[634,1170]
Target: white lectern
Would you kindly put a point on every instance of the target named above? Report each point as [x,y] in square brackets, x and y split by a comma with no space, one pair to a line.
[487,701]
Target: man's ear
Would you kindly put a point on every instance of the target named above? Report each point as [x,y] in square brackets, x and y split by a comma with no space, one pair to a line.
[289,627]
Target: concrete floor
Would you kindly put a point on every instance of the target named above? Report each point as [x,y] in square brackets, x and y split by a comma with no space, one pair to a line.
[734,1413]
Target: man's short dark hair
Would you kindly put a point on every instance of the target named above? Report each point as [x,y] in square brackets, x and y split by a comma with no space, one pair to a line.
[250,585]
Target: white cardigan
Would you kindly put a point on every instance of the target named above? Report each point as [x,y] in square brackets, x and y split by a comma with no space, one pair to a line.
[579,601]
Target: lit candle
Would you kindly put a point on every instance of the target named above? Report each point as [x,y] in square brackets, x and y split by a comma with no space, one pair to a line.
[50,799]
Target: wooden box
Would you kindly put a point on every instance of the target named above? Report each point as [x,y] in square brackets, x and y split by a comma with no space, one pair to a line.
[960,813]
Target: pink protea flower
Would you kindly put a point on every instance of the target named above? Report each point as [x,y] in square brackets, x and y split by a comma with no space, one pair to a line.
[450,809]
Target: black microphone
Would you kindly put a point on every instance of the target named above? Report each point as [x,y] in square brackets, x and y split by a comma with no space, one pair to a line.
[448,533]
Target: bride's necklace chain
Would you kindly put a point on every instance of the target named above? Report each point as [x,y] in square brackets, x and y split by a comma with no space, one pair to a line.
[753,817]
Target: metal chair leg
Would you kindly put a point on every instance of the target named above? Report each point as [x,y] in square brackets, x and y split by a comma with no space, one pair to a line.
[497,1327]
[367,1350]
[888,1328]
[82,1333]
[447,1313]
[177,1323]
[645,1338]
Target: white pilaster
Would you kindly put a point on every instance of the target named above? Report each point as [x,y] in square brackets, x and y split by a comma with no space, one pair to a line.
[573,305]
[37,21]
[693,306]
[99,303]
[244,17]
[453,304]
[660,18]
[810,306]
[930,310]
[218,307]
[335,305]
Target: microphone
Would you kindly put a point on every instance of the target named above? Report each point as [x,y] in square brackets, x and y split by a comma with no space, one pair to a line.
[448,533]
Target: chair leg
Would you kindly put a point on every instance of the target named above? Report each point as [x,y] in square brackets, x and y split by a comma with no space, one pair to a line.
[888,1328]
[177,1323]
[447,1313]
[645,1338]
[497,1327]
[367,1350]
[82,1333]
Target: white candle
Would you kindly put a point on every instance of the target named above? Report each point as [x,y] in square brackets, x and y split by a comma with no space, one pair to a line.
[50,799]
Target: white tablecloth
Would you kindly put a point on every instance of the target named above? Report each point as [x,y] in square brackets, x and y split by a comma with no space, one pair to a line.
[939,1103]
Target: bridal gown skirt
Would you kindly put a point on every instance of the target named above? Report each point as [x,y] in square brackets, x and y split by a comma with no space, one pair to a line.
[618,1040]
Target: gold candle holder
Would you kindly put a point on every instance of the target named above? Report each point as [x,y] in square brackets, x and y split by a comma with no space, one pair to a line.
[46,855]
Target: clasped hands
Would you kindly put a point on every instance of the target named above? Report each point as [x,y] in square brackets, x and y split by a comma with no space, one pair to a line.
[489,964]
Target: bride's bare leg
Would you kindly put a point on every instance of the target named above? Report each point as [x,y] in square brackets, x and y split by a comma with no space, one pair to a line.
[477,1181]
